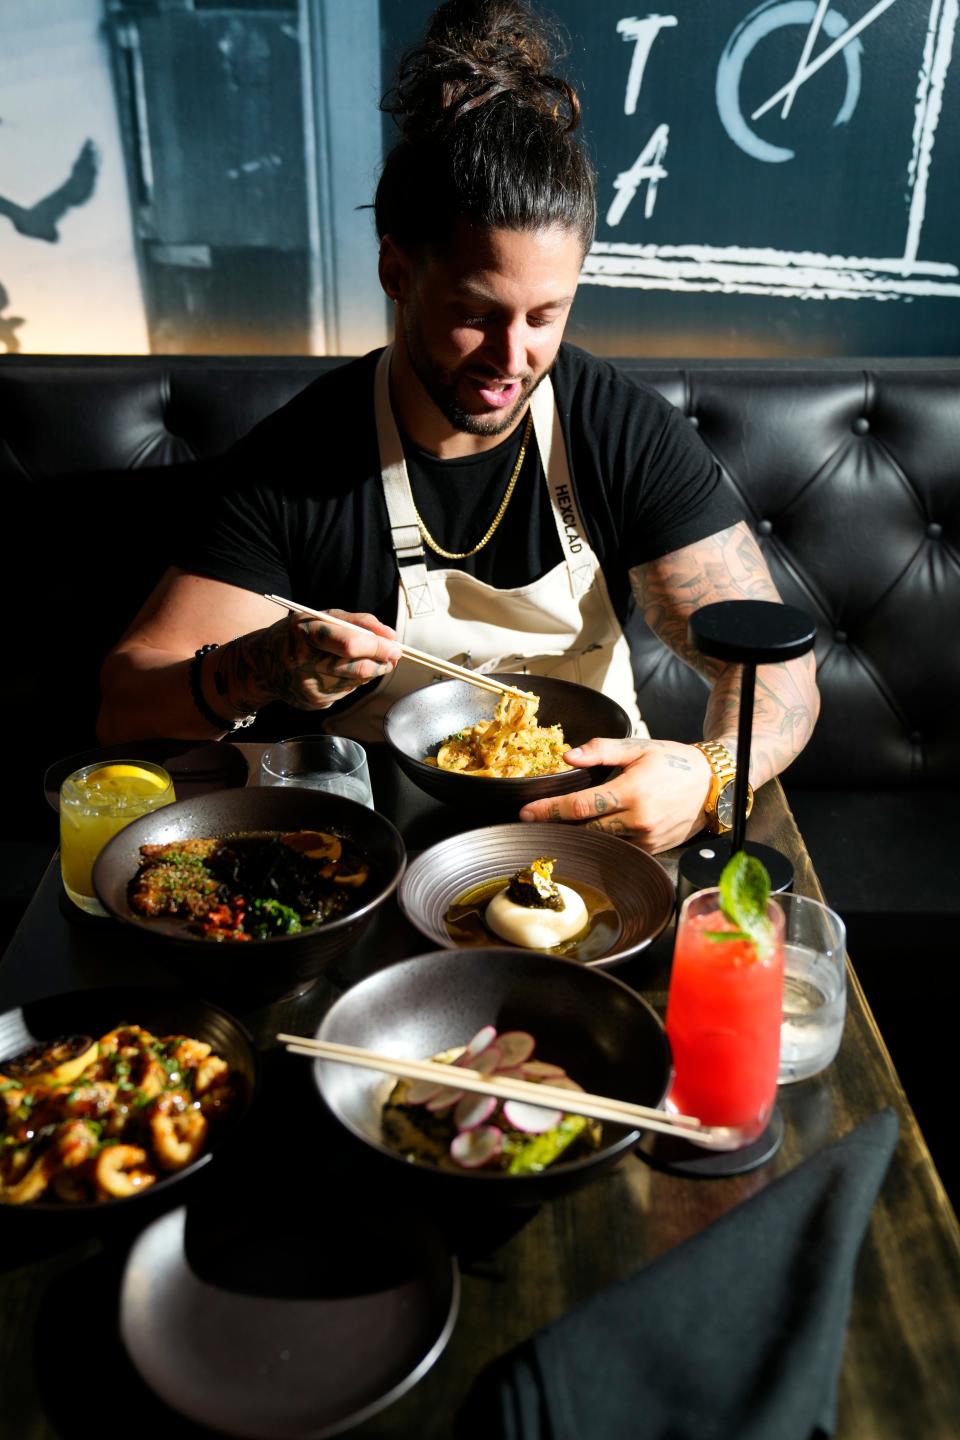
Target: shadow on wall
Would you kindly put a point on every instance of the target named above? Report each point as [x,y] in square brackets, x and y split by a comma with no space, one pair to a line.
[40,221]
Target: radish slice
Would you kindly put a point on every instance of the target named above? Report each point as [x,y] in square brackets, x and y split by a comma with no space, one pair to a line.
[445,1097]
[479,1043]
[421,1091]
[532,1119]
[515,1046]
[515,1072]
[542,1070]
[473,1110]
[485,1063]
[474,1148]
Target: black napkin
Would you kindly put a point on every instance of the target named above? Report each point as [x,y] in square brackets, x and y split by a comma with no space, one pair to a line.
[735,1335]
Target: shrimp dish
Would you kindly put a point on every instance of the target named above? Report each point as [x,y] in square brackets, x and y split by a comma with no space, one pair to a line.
[90,1120]
[453,1129]
[251,887]
[510,746]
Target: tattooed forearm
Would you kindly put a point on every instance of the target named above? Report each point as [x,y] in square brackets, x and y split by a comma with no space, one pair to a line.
[726,566]
[785,709]
[730,566]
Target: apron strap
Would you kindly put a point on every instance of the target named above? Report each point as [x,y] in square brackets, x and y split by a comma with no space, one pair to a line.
[404,531]
[579,558]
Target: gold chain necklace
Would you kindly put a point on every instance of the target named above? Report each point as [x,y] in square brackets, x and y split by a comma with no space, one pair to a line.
[511,485]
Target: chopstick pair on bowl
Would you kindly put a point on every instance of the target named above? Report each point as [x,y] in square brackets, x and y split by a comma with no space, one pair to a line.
[418,657]
[504,1087]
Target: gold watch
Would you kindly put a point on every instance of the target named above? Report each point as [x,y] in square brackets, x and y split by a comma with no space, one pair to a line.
[719,805]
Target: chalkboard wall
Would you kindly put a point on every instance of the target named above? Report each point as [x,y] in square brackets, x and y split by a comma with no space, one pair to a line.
[826,225]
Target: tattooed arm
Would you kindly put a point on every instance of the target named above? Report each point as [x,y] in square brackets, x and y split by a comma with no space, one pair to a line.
[658,798]
[305,663]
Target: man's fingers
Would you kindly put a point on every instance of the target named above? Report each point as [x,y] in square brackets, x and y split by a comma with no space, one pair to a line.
[620,826]
[367,621]
[348,644]
[580,806]
[606,752]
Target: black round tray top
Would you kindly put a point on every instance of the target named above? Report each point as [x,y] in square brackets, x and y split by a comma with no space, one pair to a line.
[759,632]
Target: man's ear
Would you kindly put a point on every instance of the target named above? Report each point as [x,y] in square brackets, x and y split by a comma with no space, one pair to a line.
[395,269]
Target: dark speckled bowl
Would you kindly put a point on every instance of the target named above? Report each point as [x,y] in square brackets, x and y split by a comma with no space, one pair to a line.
[282,964]
[602,1032]
[417,726]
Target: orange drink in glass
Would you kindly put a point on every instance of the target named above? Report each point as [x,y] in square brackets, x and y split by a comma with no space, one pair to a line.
[95,802]
[723,1017]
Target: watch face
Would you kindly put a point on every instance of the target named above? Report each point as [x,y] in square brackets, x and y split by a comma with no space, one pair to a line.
[725,806]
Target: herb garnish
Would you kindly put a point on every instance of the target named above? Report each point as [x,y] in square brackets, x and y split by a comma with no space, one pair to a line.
[744,898]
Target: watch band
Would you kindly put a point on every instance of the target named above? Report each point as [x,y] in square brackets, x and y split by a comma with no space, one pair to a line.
[200,700]
[721,761]
[724,769]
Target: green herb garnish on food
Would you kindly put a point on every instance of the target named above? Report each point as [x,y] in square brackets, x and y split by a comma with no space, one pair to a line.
[273,918]
[744,898]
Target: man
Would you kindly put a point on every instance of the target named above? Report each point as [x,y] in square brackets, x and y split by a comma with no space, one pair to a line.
[477,490]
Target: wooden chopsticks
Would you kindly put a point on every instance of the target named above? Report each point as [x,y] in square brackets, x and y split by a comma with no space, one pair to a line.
[418,657]
[504,1087]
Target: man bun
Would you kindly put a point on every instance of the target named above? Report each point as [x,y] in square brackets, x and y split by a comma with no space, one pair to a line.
[474,52]
[486,131]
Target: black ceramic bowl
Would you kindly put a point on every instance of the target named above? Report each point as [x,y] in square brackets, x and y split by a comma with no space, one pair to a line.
[417,726]
[163,1012]
[283,964]
[603,1033]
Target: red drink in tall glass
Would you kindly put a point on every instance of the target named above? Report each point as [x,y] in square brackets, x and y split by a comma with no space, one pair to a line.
[723,1018]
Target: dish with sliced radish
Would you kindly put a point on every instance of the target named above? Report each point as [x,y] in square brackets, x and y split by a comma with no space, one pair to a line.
[451,1129]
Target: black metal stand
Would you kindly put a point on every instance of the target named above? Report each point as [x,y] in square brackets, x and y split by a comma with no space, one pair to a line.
[748,633]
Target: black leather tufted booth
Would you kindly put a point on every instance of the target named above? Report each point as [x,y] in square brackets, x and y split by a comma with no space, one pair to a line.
[850,473]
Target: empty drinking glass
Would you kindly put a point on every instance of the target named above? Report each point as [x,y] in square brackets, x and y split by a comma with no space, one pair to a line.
[319,762]
[814,987]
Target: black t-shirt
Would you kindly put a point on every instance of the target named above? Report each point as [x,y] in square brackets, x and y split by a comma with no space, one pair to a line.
[299,509]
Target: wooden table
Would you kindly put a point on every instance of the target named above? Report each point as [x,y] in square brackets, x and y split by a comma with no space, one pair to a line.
[901,1372]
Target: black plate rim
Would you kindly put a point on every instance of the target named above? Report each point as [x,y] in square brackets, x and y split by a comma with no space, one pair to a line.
[358,1417]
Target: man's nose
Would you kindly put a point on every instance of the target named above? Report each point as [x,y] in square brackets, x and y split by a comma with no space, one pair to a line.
[509,348]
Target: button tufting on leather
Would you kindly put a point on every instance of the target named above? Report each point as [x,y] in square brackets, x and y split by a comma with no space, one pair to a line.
[765,527]
[841,637]
[694,421]
[861,425]
[934,531]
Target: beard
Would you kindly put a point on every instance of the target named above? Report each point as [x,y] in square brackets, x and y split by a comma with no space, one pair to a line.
[441,386]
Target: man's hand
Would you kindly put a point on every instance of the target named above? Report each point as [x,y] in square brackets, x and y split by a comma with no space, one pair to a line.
[308,663]
[656,801]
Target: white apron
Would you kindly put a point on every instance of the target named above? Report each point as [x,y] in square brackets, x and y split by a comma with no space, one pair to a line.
[563,624]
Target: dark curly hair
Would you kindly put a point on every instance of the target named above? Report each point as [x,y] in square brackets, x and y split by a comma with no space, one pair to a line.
[487,131]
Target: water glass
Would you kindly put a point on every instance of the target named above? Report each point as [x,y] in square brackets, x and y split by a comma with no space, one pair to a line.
[723,1018]
[95,802]
[814,987]
[319,762]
